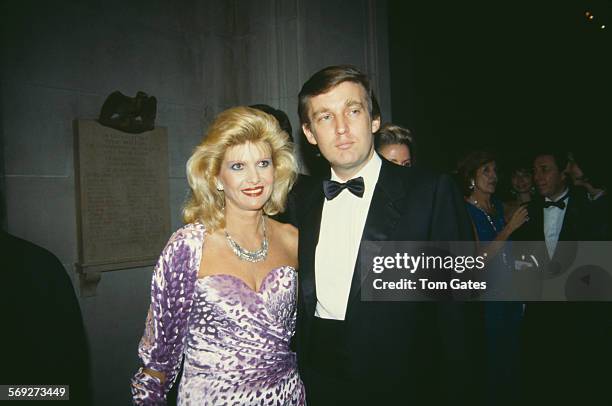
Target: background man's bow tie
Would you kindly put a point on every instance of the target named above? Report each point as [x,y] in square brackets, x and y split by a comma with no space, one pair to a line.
[559,203]
[332,188]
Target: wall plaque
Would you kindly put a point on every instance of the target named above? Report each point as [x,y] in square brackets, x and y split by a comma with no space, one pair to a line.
[123,212]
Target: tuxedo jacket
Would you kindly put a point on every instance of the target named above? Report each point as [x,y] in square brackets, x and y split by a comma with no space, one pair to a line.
[565,344]
[579,223]
[411,347]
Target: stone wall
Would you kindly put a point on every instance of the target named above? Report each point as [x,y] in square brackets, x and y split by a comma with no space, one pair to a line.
[60,59]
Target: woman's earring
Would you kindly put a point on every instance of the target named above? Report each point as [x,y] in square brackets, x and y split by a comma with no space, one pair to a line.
[219,186]
[472,184]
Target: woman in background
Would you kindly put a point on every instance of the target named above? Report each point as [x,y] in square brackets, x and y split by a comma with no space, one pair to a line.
[587,171]
[224,289]
[395,144]
[521,189]
[478,173]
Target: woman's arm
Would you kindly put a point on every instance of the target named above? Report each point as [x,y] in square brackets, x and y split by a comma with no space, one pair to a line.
[161,347]
[518,218]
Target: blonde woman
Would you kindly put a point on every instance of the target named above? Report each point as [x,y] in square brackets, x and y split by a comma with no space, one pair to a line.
[395,144]
[224,289]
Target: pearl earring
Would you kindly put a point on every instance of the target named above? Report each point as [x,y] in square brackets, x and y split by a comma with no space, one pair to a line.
[472,184]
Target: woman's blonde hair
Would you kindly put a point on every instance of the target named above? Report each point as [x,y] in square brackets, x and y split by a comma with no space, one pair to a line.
[236,126]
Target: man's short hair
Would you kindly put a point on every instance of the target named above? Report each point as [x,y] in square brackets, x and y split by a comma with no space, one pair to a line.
[328,78]
[559,157]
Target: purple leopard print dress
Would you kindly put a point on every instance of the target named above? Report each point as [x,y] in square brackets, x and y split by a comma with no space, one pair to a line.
[235,341]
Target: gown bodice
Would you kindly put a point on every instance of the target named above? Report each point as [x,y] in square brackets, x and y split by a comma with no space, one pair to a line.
[237,344]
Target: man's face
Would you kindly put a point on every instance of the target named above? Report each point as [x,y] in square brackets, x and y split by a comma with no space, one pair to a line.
[549,179]
[341,126]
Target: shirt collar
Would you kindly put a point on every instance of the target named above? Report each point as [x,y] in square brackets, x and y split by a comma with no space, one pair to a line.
[561,196]
[369,172]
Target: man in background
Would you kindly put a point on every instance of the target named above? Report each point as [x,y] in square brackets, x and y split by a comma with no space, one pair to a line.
[566,346]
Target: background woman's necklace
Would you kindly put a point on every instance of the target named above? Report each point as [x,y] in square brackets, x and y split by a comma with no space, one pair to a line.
[246,255]
[489,219]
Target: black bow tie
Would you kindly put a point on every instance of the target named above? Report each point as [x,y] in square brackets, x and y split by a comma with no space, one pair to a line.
[559,203]
[332,188]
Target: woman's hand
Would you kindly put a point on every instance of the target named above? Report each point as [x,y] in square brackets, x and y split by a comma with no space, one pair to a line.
[519,217]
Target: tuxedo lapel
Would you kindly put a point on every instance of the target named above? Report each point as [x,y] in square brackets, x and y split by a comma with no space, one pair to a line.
[309,238]
[567,232]
[571,232]
[573,216]
[383,216]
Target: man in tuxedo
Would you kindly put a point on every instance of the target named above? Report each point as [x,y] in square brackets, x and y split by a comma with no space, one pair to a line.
[354,352]
[560,214]
[566,346]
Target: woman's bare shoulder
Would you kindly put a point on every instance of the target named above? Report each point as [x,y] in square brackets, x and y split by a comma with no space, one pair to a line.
[284,230]
[287,233]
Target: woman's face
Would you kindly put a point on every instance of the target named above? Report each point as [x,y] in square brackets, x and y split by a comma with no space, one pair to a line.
[247,176]
[522,182]
[486,178]
[397,153]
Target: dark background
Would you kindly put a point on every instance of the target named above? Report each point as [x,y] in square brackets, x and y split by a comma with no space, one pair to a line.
[507,76]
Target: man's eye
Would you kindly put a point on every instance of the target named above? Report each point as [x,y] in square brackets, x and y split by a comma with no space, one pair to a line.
[355,111]
[265,163]
[325,117]
[237,166]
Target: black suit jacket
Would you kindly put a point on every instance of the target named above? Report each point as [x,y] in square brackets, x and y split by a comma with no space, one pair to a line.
[566,345]
[44,339]
[409,349]
[579,223]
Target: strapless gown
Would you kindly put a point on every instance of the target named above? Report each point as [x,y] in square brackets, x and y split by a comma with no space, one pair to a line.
[237,345]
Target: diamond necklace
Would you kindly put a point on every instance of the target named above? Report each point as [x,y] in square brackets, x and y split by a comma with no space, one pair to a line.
[475,204]
[246,255]
[504,255]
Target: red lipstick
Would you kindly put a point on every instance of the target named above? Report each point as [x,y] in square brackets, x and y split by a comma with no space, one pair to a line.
[253,191]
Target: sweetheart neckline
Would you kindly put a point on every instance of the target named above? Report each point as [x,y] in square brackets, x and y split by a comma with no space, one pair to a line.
[263,281]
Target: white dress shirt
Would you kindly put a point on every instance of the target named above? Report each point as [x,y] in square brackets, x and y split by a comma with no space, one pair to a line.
[342,222]
[553,222]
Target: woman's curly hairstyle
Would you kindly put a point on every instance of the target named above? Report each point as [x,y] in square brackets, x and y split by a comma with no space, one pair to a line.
[236,126]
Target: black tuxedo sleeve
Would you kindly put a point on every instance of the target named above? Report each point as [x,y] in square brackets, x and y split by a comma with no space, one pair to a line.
[302,188]
[450,220]
[460,325]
